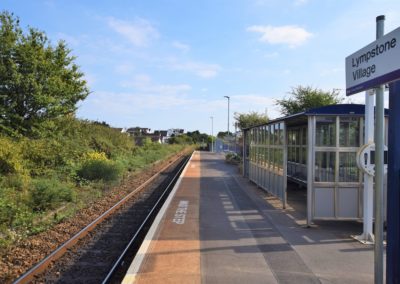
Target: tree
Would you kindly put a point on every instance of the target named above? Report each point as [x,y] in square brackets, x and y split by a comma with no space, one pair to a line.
[222,134]
[180,139]
[245,120]
[198,137]
[37,81]
[304,98]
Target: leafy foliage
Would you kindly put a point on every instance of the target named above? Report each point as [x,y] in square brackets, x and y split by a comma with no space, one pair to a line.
[233,158]
[222,134]
[181,139]
[10,157]
[48,193]
[70,161]
[99,170]
[37,81]
[198,137]
[245,120]
[304,98]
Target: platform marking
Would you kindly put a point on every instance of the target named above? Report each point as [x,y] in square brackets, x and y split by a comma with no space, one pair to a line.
[133,269]
[180,214]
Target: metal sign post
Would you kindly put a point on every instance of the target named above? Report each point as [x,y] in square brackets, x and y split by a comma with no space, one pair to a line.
[379,175]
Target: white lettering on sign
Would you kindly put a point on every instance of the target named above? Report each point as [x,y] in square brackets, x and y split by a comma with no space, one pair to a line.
[180,214]
[376,64]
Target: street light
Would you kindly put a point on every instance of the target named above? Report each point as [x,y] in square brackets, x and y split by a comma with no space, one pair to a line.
[228,122]
[212,134]
[228,111]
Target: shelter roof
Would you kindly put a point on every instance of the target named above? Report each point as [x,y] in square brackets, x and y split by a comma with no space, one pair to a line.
[339,109]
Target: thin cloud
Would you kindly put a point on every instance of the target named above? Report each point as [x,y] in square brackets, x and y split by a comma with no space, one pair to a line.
[124,68]
[300,2]
[203,70]
[140,32]
[117,103]
[291,35]
[271,55]
[181,46]
[144,84]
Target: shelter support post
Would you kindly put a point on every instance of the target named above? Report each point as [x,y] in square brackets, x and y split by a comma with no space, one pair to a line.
[367,237]
[310,168]
[284,161]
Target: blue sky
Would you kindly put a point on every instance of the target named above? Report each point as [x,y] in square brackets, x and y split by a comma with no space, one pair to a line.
[169,63]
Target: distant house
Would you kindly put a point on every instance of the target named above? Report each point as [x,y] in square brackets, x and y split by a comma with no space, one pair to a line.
[118,129]
[138,131]
[139,134]
[161,133]
[175,132]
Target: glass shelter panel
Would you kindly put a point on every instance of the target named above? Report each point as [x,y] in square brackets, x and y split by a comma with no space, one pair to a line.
[325,166]
[348,170]
[325,134]
[349,132]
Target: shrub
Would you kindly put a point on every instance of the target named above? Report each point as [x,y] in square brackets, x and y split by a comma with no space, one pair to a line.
[100,156]
[233,158]
[10,158]
[48,193]
[8,211]
[15,181]
[13,212]
[42,156]
[99,170]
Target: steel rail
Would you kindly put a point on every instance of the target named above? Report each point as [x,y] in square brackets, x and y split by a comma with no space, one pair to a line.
[133,239]
[41,266]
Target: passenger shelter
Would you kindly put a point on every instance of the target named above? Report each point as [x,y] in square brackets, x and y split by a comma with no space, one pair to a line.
[316,149]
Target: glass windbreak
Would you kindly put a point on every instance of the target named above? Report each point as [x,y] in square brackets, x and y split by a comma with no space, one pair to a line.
[279,159]
[303,156]
[325,131]
[325,166]
[349,132]
[348,170]
[281,133]
[304,137]
[277,134]
[271,135]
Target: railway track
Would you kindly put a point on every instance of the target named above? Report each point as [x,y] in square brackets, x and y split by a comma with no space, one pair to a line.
[103,250]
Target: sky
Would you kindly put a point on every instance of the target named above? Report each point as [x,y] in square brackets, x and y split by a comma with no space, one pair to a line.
[166,64]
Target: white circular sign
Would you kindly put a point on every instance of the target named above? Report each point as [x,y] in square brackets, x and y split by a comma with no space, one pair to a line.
[366,159]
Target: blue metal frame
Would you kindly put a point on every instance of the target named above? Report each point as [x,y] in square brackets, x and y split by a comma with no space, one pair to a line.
[393,194]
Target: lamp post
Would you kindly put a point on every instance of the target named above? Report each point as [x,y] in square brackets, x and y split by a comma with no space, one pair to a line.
[228,112]
[228,123]
[212,134]
[236,125]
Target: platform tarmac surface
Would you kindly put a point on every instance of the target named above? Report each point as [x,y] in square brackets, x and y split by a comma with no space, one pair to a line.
[220,228]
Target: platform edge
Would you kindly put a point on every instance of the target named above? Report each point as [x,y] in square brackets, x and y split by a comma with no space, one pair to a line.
[134,268]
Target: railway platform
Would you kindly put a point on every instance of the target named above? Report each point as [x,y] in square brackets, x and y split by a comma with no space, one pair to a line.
[217,227]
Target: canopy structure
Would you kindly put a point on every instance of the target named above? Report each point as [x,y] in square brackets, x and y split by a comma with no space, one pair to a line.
[316,149]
